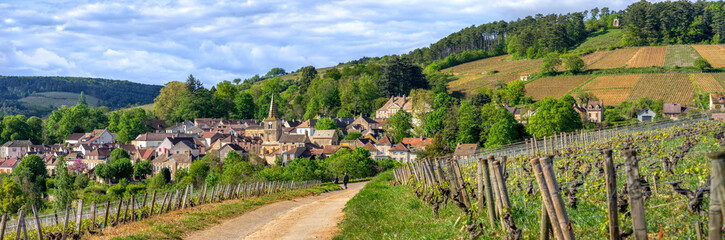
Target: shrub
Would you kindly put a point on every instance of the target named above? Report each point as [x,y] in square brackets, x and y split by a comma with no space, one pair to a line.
[135,189]
[81,181]
[117,190]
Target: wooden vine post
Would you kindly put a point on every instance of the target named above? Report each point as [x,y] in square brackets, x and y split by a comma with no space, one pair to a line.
[556,199]
[484,189]
[79,216]
[717,194]
[3,223]
[546,198]
[636,199]
[37,223]
[611,184]
[65,223]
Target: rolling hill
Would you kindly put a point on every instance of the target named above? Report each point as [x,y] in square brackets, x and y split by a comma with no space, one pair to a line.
[625,74]
[38,96]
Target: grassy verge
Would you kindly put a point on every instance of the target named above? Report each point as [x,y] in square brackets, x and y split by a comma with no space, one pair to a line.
[383,211]
[176,224]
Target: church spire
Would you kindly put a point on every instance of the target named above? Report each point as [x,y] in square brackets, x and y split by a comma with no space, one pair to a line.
[272,110]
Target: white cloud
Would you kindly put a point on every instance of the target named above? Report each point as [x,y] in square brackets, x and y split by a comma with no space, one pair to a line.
[156,42]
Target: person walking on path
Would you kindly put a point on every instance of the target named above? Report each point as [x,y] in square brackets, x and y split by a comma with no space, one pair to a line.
[337,181]
[345,179]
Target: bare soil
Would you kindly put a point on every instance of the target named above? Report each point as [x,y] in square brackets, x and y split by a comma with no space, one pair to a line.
[313,217]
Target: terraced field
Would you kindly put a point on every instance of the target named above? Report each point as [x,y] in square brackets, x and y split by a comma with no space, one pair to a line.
[647,57]
[611,96]
[595,56]
[715,54]
[554,87]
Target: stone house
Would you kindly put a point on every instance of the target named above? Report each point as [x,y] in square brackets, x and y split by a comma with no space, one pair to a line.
[170,142]
[465,151]
[173,163]
[289,141]
[98,156]
[307,127]
[8,164]
[146,140]
[326,137]
[593,111]
[717,101]
[674,111]
[224,151]
[15,149]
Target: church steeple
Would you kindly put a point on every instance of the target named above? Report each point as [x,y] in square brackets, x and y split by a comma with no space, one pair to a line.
[272,110]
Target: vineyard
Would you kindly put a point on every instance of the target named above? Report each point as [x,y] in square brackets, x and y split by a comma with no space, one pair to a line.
[707,82]
[670,87]
[680,55]
[554,87]
[642,181]
[647,57]
[616,59]
[715,54]
[94,218]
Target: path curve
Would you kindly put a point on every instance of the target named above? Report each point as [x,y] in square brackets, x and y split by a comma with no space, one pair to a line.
[313,217]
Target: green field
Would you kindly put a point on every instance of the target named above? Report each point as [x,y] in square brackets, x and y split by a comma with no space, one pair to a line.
[602,40]
[680,55]
[56,99]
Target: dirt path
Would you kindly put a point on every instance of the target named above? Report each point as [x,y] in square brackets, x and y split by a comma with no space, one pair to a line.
[306,218]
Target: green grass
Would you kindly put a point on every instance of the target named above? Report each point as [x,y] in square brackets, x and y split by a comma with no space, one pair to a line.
[383,211]
[147,107]
[56,99]
[177,224]
[680,55]
[602,40]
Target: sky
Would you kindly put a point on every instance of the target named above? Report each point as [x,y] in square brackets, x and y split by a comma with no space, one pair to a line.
[156,42]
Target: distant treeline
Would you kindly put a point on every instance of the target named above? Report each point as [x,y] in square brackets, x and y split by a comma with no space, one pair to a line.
[111,93]
[643,23]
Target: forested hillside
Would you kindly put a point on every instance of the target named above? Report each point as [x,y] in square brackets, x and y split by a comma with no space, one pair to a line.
[109,93]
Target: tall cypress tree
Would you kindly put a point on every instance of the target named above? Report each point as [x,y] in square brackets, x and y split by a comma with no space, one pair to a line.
[82,99]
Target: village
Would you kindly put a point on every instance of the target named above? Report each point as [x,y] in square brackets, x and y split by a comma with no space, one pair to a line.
[274,140]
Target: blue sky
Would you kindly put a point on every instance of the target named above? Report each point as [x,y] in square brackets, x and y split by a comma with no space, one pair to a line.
[160,41]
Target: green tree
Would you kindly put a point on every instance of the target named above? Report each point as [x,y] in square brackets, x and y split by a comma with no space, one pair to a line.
[123,168]
[702,64]
[198,171]
[303,169]
[63,194]
[468,121]
[166,173]
[142,169]
[353,135]
[551,61]
[118,153]
[399,125]
[326,124]
[157,182]
[274,72]
[244,104]
[82,99]
[104,171]
[356,163]
[81,181]
[172,96]
[437,148]
[30,174]
[306,75]
[574,64]
[554,116]
[502,132]
[11,197]
[193,84]
[515,91]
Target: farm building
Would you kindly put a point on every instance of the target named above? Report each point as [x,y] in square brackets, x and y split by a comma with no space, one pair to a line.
[674,110]
[593,111]
[717,101]
[646,115]
[464,151]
